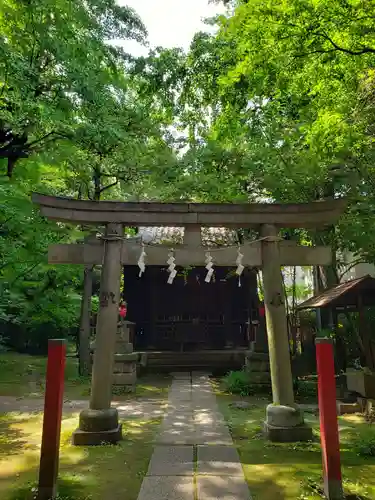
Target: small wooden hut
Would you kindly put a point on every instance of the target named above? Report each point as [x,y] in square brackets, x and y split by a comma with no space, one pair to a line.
[351,296]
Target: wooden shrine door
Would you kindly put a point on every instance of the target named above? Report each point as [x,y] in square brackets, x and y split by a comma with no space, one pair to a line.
[190,314]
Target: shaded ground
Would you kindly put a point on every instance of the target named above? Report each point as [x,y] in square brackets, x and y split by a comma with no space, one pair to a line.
[293,471]
[96,473]
[114,472]
[23,376]
[273,471]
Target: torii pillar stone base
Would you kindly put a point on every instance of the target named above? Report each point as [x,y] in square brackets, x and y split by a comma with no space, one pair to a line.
[284,420]
[99,423]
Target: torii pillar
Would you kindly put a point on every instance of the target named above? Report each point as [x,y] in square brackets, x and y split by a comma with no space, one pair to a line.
[284,420]
[99,423]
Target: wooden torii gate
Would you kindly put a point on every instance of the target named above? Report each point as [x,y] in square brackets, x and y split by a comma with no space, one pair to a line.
[284,421]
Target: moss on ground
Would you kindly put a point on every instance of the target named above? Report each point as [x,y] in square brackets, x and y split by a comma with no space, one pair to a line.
[23,376]
[293,471]
[86,473]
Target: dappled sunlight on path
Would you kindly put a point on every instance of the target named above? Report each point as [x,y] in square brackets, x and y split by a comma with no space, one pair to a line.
[194,457]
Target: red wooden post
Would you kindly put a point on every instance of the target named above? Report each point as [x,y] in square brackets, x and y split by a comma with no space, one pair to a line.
[329,434]
[53,400]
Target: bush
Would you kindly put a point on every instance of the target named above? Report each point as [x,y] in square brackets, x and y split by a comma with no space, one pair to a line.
[306,389]
[28,324]
[239,382]
[365,446]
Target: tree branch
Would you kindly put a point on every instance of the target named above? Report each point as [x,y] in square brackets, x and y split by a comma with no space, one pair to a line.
[353,264]
[315,52]
[104,188]
[364,50]
[40,139]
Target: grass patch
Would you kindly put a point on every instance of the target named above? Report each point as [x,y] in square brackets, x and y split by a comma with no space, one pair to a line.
[293,471]
[86,473]
[23,376]
[69,489]
[153,386]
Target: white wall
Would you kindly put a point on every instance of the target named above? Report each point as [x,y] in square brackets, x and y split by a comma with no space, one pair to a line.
[358,271]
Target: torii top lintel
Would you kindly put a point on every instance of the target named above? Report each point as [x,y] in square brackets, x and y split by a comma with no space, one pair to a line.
[297,215]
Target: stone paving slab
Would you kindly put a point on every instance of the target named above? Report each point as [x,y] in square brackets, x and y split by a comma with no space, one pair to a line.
[223,488]
[208,408]
[206,394]
[202,386]
[178,393]
[172,461]
[178,428]
[192,417]
[215,439]
[177,425]
[219,461]
[179,414]
[208,417]
[216,427]
[204,405]
[179,418]
[175,438]
[204,402]
[181,375]
[184,386]
[181,397]
[203,398]
[184,408]
[167,488]
[185,438]
[213,428]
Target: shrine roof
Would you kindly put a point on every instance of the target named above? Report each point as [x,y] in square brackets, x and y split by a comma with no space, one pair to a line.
[211,236]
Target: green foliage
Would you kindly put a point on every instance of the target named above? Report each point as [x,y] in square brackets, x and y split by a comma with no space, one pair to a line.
[307,389]
[55,65]
[238,382]
[38,301]
[279,105]
[313,487]
[365,445]
[74,121]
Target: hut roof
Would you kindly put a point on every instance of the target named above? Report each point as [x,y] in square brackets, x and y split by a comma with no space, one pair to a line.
[346,294]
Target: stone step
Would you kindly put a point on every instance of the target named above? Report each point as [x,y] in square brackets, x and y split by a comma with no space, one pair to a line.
[202,360]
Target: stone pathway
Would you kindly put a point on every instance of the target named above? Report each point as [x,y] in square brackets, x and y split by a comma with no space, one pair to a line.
[194,456]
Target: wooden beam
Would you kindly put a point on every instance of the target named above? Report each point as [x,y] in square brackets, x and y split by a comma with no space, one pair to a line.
[315,214]
[91,254]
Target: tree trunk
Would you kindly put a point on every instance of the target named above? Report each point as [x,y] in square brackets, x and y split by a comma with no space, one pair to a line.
[327,276]
[84,330]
